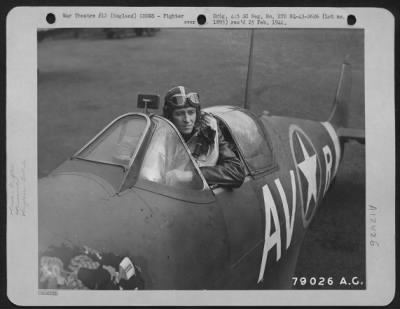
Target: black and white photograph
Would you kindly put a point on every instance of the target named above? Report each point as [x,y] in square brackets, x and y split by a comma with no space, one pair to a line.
[201,158]
[230,156]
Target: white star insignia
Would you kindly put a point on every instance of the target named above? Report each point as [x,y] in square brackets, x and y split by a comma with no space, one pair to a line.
[309,169]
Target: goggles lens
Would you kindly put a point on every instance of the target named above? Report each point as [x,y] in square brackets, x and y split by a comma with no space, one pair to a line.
[181,99]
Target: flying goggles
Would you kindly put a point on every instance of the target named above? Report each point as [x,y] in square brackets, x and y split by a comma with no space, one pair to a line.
[179,100]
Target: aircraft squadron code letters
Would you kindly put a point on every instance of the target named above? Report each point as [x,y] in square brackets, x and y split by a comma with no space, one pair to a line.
[308,168]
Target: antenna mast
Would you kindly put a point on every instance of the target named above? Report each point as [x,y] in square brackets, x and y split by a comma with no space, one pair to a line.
[249,71]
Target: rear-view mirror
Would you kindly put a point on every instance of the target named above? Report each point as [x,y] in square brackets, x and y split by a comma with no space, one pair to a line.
[147,101]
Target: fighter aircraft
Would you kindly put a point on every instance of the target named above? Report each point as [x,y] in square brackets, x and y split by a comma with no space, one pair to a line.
[109,220]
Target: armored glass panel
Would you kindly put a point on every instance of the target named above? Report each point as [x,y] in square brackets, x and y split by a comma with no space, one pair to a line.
[250,138]
[117,144]
[167,160]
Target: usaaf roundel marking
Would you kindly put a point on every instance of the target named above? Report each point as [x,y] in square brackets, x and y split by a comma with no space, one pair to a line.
[308,167]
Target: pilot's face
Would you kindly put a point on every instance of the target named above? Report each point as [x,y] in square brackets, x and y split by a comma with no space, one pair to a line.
[184,119]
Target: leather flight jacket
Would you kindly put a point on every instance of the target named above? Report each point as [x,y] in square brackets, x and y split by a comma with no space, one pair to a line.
[229,170]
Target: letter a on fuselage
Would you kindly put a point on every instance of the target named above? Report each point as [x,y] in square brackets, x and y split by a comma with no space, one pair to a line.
[270,239]
[271,214]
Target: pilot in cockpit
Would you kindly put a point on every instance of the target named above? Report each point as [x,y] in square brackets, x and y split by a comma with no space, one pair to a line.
[213,153]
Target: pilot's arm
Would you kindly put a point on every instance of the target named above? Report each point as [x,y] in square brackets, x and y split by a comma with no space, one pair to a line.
[229,170]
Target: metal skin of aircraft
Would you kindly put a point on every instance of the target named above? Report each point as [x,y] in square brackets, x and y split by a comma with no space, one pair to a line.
[194,236]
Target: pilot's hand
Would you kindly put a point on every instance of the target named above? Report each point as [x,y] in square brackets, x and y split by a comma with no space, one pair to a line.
[176,176]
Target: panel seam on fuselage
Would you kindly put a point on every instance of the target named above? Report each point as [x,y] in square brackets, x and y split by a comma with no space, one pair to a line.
[239,260]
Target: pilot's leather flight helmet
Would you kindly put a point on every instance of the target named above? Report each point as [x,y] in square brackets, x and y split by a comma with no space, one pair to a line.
[180,97]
